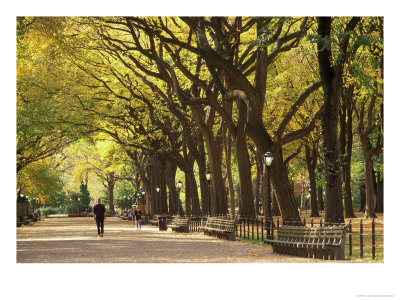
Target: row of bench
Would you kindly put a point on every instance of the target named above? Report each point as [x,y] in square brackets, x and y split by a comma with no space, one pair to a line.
[26,219]
[326,242]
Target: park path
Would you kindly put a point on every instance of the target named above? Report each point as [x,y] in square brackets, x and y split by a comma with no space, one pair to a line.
[74,240]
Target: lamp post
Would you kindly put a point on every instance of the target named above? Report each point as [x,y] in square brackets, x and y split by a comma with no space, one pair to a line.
[158,195]
[268,159]
[208,177]
[178,187]
[143,198]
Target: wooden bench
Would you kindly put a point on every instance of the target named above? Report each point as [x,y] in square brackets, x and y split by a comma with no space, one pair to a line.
[180,224]
[23,220]
[125,216]
[221,227]
[154,220]
[326,242]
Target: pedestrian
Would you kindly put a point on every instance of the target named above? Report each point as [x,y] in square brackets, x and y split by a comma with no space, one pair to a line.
[133,214]
[139,220]
[87,212]
[99,213]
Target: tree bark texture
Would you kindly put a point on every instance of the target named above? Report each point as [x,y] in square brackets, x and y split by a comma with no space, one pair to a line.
[333,184]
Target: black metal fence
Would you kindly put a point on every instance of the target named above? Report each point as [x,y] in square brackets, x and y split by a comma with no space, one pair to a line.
[364,239]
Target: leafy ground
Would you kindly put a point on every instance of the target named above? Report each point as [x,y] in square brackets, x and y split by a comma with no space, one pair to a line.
[74,240]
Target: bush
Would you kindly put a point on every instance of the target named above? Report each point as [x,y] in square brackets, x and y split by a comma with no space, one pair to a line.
[46,211]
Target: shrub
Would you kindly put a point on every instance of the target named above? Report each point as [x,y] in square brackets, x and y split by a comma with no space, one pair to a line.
[46,211]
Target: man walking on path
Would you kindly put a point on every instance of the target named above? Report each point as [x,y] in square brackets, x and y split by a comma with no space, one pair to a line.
[99,216]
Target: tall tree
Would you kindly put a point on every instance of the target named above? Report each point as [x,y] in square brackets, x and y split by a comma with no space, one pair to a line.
[332,79]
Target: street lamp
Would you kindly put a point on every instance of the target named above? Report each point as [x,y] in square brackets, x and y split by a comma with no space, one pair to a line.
[178,186]
[208,177]
[158,196]
[268,159]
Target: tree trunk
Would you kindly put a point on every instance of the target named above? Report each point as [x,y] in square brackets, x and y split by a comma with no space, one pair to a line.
[379,198]
[194,195]
[228,155]
[333,184]
[170,173]
[201,162]
[320,194]
[110,187]
[311,161]
[258,186]
[369,189]
[275,207]
[303,195]
[321,205]
[362,196]
[163,189]
[214,152]
[280,182]
[346,145]
[243,160]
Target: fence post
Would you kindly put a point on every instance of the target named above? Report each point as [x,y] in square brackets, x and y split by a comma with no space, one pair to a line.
[373,238]
[361,240]
[350,239]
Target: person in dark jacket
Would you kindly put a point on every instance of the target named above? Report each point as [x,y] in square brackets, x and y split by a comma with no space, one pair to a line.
[99,213]
[139,220]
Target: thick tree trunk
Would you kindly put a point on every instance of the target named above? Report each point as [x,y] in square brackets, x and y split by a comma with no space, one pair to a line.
[321,205]
[243,160]
[303,195]
[311,161]
[279,176]
[362,196]
[154,183]
[332,171]
[214,151]
[275,207]
[346,145]
[110,187]
[170,173]
[379,198]
[320,194]
[188,196]
[163,189]
[194,195]
[228,155]
[280,182]
[257,188]
[369,189]
[201,162]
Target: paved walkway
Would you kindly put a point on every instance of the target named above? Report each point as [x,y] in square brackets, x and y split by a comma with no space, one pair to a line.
[74,240]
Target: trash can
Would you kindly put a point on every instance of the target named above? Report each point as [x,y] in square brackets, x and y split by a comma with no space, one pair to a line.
[162,223]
